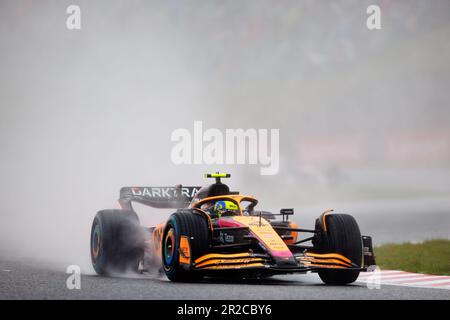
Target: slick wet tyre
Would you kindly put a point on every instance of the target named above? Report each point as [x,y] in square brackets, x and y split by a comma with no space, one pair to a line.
[117,242]
[341,236]
[195,227]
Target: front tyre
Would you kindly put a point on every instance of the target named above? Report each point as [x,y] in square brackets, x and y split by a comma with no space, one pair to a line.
[195,227]
[117,242]
[339,235]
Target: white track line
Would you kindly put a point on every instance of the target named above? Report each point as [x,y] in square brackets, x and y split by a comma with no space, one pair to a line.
[384,272]
[410,279]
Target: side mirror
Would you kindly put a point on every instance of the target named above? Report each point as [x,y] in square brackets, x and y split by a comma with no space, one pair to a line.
[286,213]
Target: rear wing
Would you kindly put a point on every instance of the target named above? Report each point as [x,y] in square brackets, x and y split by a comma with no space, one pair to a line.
[157,197]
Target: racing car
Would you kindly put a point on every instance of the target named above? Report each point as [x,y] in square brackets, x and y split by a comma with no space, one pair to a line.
[217,232]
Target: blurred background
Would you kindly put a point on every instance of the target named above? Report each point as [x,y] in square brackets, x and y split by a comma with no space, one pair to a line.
[364,116]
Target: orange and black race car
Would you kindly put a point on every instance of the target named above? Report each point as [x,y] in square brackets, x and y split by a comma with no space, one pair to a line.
[217,232]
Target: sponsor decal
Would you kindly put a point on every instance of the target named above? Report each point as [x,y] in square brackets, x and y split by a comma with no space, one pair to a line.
[226,238]
[165,192]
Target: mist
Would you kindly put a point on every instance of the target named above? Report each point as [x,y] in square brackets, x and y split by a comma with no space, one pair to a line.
[363,115]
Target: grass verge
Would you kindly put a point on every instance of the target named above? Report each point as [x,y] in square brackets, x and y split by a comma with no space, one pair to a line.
[431,256]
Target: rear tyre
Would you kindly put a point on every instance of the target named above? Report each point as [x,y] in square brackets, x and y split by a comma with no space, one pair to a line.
[342,236]
[195,227]
[117,242]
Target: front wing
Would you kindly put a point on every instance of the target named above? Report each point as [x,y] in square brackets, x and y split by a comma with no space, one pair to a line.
[304,262]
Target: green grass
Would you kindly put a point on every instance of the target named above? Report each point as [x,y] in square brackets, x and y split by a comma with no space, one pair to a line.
[431,256]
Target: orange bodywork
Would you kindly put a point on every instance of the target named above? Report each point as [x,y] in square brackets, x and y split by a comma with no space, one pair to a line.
[324,222]
[262,229]
[185,250]
[155,244]
[294,234]
[221,255]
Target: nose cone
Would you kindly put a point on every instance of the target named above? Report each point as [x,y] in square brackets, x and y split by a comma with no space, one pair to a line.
[285,262]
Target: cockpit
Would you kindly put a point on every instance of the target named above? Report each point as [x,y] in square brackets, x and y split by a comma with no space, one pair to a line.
[228,205]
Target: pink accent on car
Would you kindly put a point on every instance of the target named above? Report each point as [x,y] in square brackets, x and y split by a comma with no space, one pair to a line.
[227,223]
[281,253]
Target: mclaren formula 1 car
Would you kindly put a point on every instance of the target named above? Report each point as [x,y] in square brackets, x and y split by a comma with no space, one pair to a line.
[218,232]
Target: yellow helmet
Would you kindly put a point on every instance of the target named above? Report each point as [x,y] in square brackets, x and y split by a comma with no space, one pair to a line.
[224,206]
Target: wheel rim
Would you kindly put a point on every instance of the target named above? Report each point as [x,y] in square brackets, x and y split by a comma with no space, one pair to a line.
[95,242]
[169,247]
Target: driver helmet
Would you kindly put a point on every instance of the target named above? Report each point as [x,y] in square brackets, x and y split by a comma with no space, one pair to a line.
[223,206]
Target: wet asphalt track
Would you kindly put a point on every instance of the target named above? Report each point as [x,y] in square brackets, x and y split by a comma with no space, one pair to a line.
[24,281]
